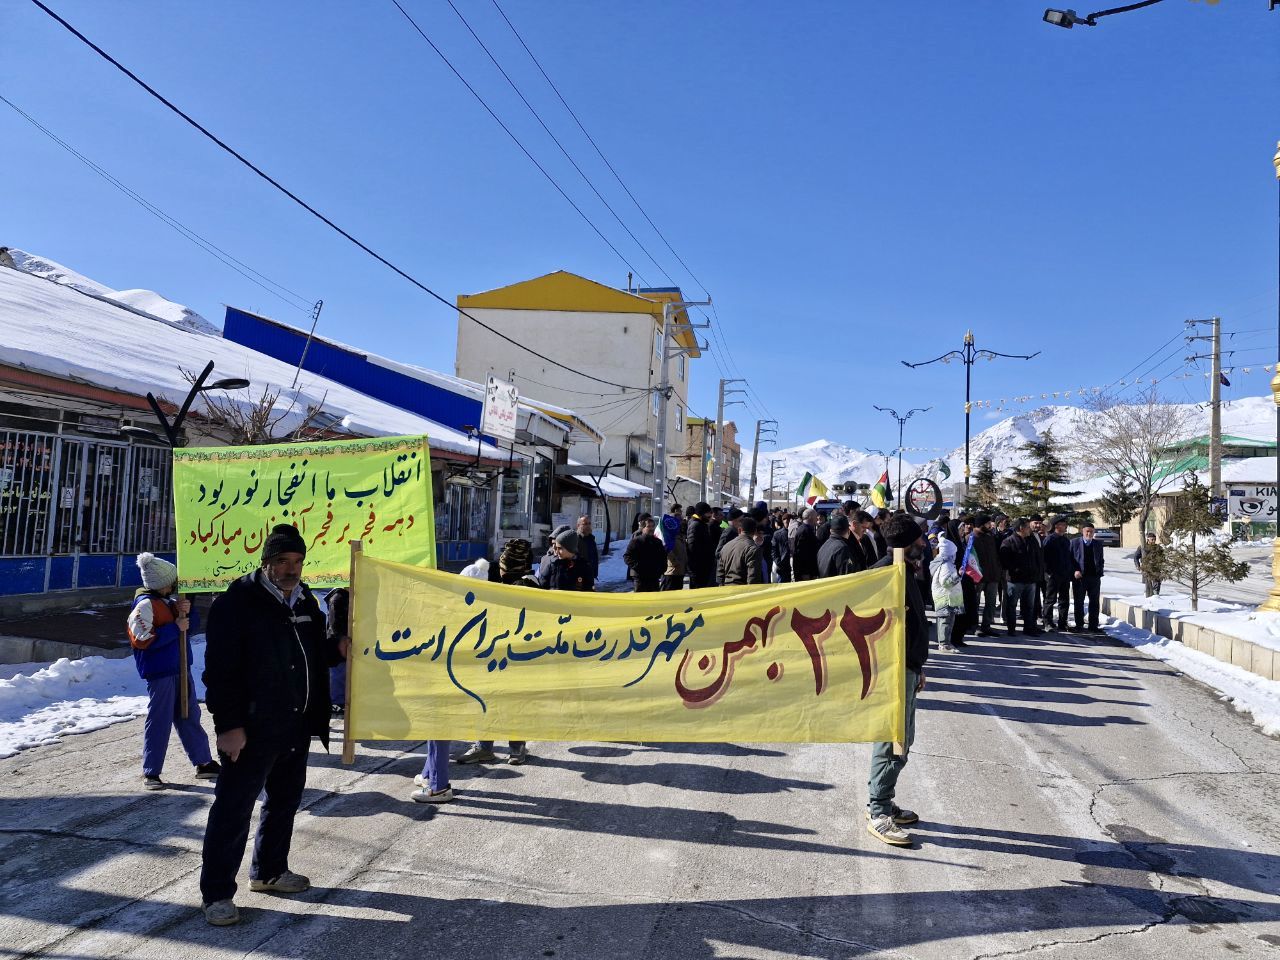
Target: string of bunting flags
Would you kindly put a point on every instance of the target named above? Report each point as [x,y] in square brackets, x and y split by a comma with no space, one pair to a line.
[1074,393]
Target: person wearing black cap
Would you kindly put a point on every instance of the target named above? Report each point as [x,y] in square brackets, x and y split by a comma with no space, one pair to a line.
[1059,569]
[839,555]
[727,536]
[267,654]
[988,551]
[702,548]
[885,819]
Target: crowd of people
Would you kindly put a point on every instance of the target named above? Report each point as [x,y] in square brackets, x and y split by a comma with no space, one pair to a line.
[275,659]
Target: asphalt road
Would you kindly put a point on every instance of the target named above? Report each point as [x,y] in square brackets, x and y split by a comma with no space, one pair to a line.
[1078,801]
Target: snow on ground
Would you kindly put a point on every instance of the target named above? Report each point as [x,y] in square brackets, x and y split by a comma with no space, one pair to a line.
[1246,692]
[74,696]
[1233,619]
[613,572]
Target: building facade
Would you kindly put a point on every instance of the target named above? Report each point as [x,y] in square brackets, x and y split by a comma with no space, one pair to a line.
[598,331]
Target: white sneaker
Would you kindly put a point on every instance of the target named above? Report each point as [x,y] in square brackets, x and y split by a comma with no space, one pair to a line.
[424,795]
[883,828]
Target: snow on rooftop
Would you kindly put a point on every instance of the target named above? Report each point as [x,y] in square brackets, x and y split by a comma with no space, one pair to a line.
[148,301]
[57,329]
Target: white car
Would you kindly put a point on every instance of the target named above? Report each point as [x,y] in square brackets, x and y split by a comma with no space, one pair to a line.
[1108,538]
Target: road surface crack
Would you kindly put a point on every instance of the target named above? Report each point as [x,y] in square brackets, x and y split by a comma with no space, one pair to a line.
[1212,735]
[797,929]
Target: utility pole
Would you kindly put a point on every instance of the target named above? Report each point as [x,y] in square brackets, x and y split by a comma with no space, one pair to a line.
[772,463]
[664,395]
[702,447]
[1215,397]
[902,423]
[966,355]
[755,452]
[718,475]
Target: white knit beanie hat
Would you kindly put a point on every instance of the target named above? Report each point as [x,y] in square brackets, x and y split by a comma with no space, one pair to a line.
[157,573]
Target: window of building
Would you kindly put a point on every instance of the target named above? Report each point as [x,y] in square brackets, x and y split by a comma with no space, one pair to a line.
[679,419]
[680,366]
[657,344]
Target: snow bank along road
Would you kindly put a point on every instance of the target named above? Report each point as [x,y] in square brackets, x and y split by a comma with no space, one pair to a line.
[1078,800]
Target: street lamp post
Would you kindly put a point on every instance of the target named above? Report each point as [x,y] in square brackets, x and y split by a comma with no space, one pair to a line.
[172,428]
[966,355]
[902,423]
[886,456]
[1273,601]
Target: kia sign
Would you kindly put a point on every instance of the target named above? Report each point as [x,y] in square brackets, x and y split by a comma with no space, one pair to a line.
[501,405]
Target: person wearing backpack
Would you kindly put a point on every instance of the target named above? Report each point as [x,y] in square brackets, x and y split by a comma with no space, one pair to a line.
[156,623]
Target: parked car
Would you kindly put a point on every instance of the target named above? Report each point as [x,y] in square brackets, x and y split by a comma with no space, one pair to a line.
[1107,537]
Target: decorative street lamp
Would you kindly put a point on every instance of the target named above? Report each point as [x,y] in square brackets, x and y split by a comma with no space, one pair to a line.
[1068,18]
[967,355]
[902,423]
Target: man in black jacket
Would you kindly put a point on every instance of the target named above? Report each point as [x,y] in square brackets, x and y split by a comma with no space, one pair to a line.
[1059,569]
[1019,555]
[804,552]
[839,555]
[782,549]
[702,548]
[988,551]
[885,818]
[267,656]
[646,557]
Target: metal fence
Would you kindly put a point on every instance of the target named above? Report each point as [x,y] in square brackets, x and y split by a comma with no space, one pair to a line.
[67,495]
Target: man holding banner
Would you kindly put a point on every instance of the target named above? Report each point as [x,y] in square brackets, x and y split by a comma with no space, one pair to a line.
[885,819]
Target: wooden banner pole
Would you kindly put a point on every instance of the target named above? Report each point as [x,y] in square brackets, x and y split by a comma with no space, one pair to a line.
[900,560]
[348,744]
[184,672]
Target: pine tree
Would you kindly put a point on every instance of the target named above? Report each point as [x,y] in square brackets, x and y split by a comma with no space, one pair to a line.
[1119,503]
[983,493]
[1031,487]
[1192,555]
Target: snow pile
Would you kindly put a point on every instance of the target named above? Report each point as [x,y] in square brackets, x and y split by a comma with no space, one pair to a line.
[74,696]
[147,301]
[1260,627]
[1246,692]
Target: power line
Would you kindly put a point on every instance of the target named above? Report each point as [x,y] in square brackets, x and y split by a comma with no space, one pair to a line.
[523,149]
[732,366]
[266,283]
[312,210]
[556,140]
[600,152]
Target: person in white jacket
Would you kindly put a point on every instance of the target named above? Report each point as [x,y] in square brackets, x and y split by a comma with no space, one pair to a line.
[948,597]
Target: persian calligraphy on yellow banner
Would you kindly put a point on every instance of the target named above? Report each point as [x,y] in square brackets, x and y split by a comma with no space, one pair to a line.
[227,499]
[438,656]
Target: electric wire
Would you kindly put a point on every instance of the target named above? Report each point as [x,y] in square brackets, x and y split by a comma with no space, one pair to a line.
[523,149]
[280,291]
[312,210]
[729,367]
[556,140]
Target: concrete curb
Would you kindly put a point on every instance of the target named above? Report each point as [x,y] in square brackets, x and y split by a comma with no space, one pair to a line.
[37,650]
[1263,661]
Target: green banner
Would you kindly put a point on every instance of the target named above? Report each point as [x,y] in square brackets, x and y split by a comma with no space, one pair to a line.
[227,499]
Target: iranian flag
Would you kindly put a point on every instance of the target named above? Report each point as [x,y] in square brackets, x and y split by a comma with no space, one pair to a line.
[802,491]
[882,493]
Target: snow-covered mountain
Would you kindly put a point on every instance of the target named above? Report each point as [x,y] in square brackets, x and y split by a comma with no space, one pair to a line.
[1251,417]
[141,301]
[831,462]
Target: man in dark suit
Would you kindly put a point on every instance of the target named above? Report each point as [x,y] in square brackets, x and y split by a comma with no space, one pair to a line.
[1087,554]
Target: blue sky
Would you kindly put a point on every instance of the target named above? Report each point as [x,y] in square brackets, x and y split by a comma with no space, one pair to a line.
[855,183]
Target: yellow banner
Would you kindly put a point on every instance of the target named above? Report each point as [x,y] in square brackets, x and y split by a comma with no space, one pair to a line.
[227,499]
[438,656]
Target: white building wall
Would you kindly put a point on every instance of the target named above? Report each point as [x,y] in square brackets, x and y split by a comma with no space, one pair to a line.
[620,347]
